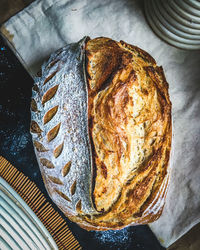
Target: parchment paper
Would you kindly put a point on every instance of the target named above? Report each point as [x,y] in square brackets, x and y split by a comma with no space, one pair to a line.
[47,25]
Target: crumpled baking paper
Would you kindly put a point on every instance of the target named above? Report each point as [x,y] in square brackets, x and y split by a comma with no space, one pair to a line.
[47,25]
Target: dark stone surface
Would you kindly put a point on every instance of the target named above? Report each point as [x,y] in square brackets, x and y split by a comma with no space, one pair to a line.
[16,146]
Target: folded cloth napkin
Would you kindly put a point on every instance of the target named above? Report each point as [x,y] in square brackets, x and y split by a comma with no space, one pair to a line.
[48,25]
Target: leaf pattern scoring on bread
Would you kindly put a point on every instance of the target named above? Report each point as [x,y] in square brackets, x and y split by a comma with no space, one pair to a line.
[60,144]
[101,128]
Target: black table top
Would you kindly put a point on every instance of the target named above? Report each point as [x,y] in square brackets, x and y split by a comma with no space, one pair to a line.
[16,146]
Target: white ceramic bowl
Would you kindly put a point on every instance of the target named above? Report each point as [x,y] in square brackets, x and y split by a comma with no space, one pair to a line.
[175,21]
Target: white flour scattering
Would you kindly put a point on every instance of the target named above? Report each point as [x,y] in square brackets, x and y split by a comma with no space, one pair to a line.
[17,141]
[114,237]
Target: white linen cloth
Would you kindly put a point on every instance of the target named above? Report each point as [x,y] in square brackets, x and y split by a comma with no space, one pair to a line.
[47,25]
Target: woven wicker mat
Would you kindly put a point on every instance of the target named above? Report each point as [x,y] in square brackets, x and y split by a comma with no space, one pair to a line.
[36,200]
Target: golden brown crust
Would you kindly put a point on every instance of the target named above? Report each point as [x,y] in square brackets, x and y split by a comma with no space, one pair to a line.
[129,121]
[130,128]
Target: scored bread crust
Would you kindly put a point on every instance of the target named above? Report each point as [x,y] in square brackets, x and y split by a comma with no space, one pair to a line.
[112,169]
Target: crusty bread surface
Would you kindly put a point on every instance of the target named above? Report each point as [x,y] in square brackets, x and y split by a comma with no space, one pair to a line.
[101,126]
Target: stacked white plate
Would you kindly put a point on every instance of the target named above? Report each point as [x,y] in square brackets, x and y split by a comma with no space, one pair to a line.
[175,21]
[20,229]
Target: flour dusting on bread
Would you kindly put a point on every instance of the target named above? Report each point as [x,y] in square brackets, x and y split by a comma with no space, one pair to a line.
[101,126]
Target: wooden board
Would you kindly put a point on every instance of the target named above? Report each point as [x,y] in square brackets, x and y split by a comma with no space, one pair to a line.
[9,8]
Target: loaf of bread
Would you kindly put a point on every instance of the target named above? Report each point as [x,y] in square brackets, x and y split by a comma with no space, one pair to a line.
[101,128]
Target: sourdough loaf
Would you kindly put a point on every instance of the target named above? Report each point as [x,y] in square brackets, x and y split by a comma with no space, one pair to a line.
[101,128]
